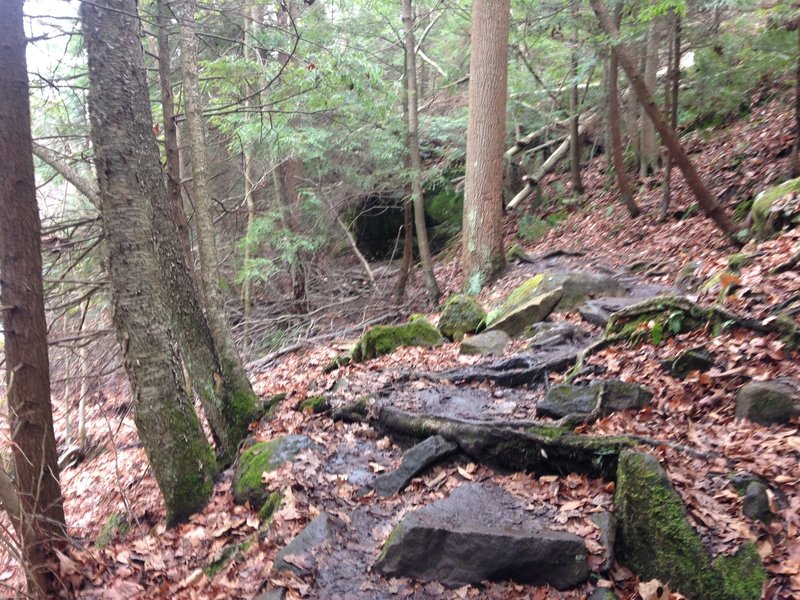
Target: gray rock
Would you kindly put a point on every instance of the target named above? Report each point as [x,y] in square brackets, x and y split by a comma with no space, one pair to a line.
[693,359]
[602,594]
[414,462]
[461,315]
[614,395]
[608,534]
[481,532]
[554,334]
[599,311]
[486,343]
[265,456]
[273,594]
[297,556]
[532,310]
[756,502]
[767,402]
[579,286]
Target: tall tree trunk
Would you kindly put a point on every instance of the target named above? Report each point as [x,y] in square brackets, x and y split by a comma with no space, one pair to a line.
[173,163]
[671,96]
[796,152]
[413,151]
[574,103]
[408,213]
[626,193]
[126,154]
[668,134]
[39,521]
[233,373]
[483,188]
[285,181]
[649,154]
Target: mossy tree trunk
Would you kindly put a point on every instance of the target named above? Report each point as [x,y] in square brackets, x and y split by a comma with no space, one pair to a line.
[35,508]
[482,249]
[574,133]
[126,155]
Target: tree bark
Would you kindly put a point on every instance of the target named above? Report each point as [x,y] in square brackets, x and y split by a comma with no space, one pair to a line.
[796,151]
[668,135]
[649,154]
[413,151]
[483,190]
[626,193]
[39,517]
[126,154]
[671,95]
[574,124]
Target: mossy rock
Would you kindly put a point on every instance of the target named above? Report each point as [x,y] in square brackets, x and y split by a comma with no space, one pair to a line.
[115,526]
[446,206]
[314,405]
[767,402]
[461,314]
[270,507]
[535,309]
[385,339]
[521,294]
[264,457]
[768,212]
[531,229]
[739,260]
[656,540]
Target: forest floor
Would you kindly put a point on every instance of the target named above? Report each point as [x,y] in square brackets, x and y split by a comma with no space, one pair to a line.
[150,561]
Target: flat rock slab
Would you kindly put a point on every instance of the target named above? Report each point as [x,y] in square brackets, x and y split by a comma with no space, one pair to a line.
[297,556]
[530,311]
[613,395]
[598,312]
[479,533]
[415,461]
[486,343]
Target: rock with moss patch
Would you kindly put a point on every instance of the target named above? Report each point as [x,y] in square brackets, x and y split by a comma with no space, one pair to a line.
[767,402]
[775,208]
[385,339]
[520,311]
[314,405]
[264,457]
[116,525]
[656,540]
[694,359]
[739,260]
[461,314]
[607,396]
[486,343]
[756,502]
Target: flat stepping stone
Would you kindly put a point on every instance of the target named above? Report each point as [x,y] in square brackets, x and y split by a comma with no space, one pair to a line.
[297,556]
[599,311]
[614,395]
[415,461]
[481,532]
[486,343]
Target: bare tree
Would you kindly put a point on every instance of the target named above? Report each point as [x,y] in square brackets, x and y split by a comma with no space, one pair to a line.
[482,249]
[574,107]
[35,506]
[672,87]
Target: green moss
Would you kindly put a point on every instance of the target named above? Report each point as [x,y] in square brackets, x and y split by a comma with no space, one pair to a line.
[530,229]
[738,260]
[270,507]
[385,339]
[550,433]
[655,537]
[743,575]
[515,299]
[315,405]
[393,537]
[762,206]
[462,314]
[228,553]
[255,461]
[446,206]
[116,525]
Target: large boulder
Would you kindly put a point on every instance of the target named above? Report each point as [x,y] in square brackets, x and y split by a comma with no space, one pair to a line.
[657,541]
[264,457]
[461,315]
[520,311]
[385,339]
[486,343]
[577,286]
[480,532]
[767,402]
[613,395]
[774,208]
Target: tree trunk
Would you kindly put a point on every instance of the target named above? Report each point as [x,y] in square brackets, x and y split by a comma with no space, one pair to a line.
[701,193]
[796,152]
[242,401]
[575,138]
[413,151]
[39,520]
[126,154]
[483,189]
[649,154]
[671,96]
[626,193]
[408,214]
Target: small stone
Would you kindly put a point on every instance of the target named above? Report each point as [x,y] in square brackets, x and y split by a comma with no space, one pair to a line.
[602,594]
[694,359]
[614,394]
[599,311]
[486,343]
[608,533]
[767,402]
[297,556]
[554,334]
[415,461]
[756,502]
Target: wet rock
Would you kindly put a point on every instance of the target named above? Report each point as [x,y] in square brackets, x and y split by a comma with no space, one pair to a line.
[533,309]
[767,402]
[608,534]
[694,359]
[614,395]
[655,538]
[261,457]
[297,556]
[415,461]
[385,339]
[598,312]
[461,315]
[756,502]
[486,343]
[544,335]
[481,532]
